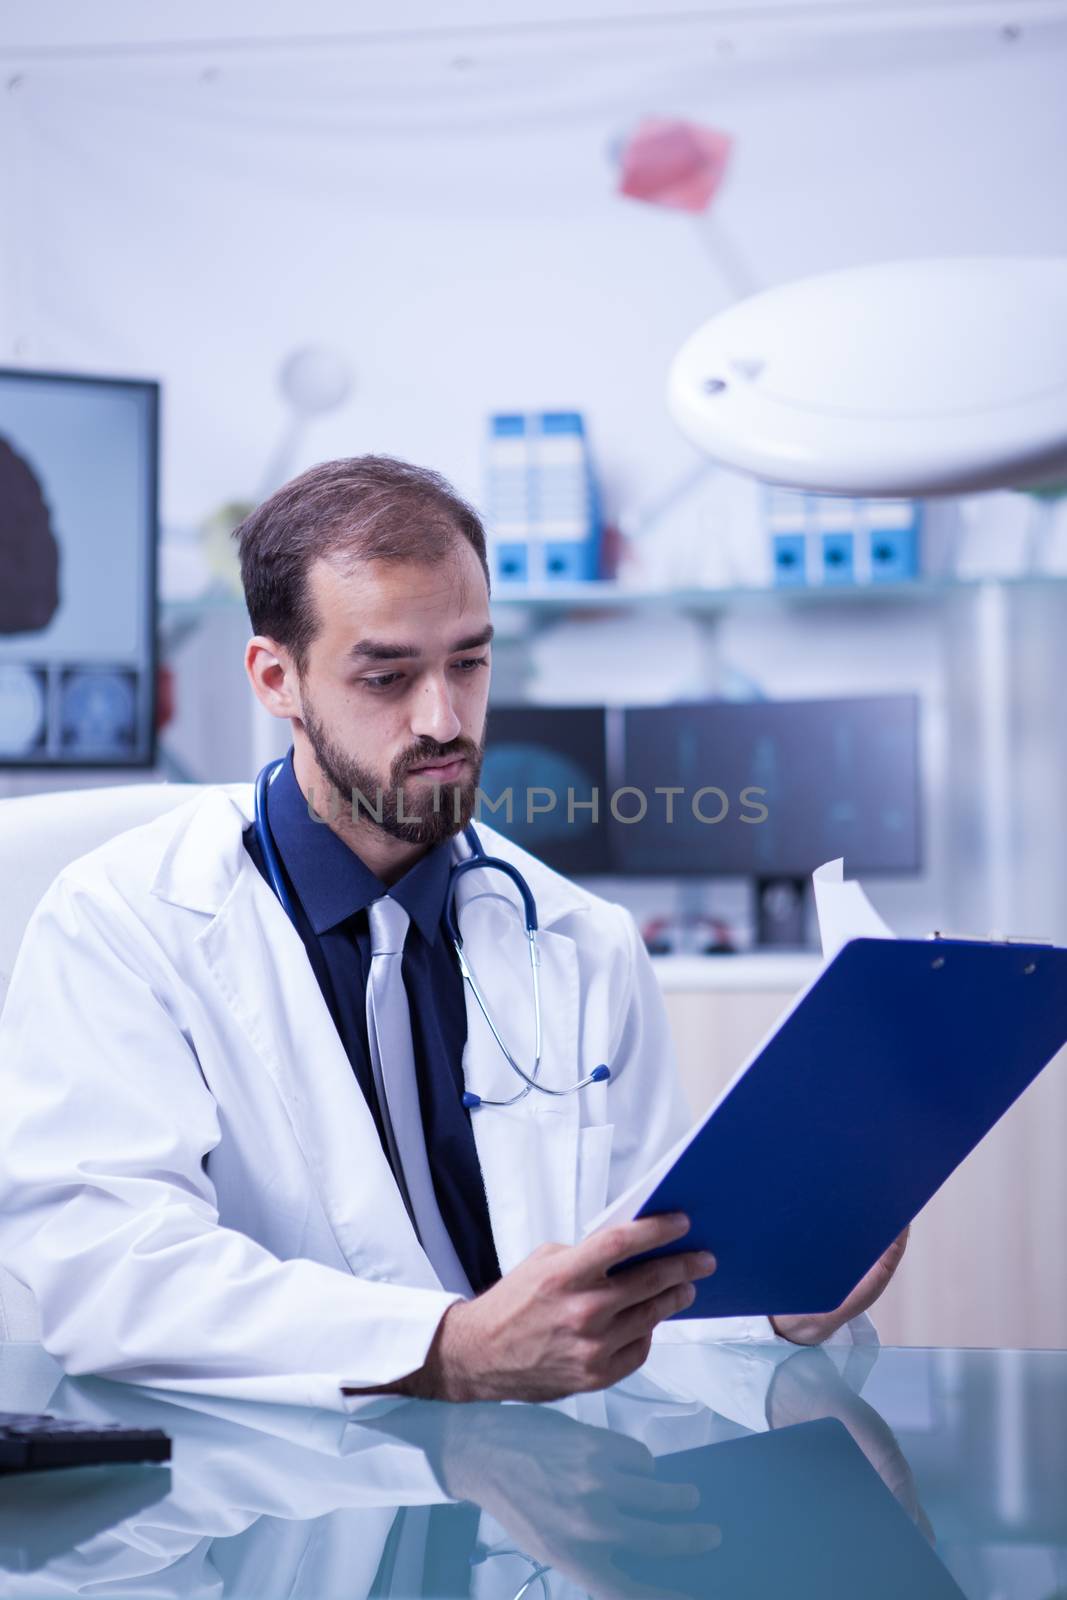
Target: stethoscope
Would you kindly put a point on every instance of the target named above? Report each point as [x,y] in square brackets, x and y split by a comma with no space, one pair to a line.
[476,861]
[539,1575]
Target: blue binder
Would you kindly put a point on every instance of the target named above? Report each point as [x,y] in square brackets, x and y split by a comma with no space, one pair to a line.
[890,1069]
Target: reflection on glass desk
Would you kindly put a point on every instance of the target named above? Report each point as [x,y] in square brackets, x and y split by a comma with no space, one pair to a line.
[741,1471]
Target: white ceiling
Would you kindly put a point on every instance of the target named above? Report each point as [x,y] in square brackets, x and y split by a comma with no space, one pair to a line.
[35,27]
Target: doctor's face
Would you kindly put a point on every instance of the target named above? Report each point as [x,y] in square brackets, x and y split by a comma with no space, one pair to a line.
[395,687]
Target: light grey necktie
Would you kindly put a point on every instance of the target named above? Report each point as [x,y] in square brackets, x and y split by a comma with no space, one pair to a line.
[392,1059]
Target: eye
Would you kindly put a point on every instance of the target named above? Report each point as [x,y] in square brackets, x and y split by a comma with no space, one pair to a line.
[382,680]
[472,663]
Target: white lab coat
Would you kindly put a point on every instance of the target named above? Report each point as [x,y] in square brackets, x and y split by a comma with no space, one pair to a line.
[191,1182]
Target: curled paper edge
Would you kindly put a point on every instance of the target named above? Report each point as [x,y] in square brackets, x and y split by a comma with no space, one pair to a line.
[843,910]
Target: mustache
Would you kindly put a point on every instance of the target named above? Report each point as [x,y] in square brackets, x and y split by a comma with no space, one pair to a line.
[428,750]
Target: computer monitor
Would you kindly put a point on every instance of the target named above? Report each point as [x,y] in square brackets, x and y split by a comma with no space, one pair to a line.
[78,535]
[549,761]
[770,789]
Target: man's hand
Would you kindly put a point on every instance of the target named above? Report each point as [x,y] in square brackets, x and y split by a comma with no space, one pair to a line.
[573,1497]
[569,1496]
[557,1324]
[815,1328]
[807,1386]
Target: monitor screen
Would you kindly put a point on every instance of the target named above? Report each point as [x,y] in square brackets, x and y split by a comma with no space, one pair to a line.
[78,524]
[770,788]
[543,765]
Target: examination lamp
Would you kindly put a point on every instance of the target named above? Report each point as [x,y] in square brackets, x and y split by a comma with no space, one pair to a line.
[908,378]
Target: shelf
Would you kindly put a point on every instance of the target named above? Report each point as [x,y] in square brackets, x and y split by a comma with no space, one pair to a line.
[600,595]
[604,596]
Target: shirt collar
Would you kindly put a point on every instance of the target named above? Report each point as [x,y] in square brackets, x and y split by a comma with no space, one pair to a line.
[331,880]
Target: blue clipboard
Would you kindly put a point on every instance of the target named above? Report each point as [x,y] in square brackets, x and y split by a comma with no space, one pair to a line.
[803,1513]
[888,1071]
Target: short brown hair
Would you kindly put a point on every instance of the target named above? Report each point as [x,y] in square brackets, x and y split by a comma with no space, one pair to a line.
[371,508]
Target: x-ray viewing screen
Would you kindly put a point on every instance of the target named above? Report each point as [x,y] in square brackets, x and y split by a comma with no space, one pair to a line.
[773,788]
[77,570]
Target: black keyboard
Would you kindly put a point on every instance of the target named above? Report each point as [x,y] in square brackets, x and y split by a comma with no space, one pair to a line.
[28,1443]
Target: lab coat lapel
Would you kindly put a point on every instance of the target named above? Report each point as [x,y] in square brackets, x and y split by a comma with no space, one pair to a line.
[259,968]
[528,1152]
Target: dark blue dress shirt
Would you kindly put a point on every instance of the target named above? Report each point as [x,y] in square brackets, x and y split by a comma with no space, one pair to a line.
[331,889]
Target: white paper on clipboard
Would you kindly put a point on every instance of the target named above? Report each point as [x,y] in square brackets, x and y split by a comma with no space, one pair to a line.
[843,909]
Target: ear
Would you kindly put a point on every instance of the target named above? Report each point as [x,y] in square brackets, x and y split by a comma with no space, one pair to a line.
[273,676]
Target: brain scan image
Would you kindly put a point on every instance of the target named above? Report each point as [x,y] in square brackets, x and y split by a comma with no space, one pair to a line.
[97,711]
[23,706]
[29,553]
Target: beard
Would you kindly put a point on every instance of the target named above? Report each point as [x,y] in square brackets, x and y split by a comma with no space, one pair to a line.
[432,813]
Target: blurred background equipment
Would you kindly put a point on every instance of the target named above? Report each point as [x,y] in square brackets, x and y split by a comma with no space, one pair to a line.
[762,791]
[544,778]
[543,508]
[788,785]
[312,381]
[907,378]
[669,162]
[78,564]
[825,539]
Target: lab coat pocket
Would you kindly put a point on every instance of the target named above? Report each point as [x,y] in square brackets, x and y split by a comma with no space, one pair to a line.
[594,1167]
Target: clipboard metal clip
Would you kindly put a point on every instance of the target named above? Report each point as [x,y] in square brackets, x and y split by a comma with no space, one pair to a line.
[993,938]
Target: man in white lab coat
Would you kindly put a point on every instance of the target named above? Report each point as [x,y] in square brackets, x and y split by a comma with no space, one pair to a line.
[213,1175]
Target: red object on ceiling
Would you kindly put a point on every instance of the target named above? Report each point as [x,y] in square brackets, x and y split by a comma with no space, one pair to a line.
[671,163]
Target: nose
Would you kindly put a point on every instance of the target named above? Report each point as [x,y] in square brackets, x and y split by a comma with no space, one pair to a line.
[434,715]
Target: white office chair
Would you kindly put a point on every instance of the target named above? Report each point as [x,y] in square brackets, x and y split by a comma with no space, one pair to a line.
[39,835]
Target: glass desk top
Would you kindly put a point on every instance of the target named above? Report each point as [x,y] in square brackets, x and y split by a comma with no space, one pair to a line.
[740,1471]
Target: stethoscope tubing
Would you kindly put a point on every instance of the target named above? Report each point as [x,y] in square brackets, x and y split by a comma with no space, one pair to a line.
[266,839]
[477,860]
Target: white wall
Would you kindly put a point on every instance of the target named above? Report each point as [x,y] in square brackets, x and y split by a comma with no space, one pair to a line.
[447,219]
[192,196]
